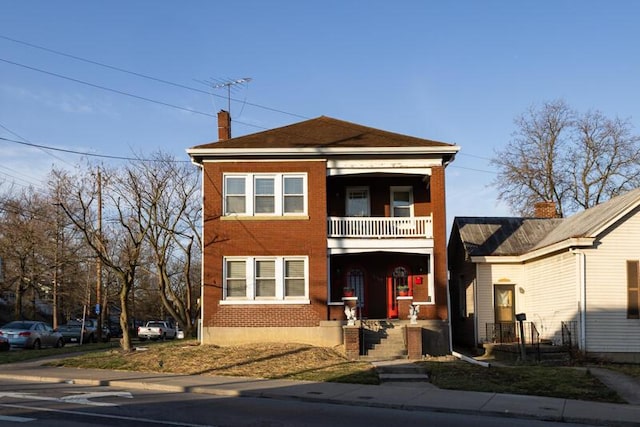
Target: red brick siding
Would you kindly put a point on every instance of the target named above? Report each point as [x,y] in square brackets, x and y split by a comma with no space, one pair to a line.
[438,200]
[265,237]
[253,316]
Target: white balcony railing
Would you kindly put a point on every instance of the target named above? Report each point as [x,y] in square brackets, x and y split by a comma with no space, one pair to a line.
[380,227]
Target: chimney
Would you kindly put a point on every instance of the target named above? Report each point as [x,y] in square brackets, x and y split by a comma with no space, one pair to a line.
[545,210]
[224,125]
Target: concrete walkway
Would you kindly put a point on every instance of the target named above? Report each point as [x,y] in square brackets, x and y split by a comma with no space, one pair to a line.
[627,387]
[416,397]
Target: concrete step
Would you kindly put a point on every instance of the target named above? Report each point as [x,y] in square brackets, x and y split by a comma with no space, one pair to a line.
[396,378]
[385,355]
[400,372]
[373,359]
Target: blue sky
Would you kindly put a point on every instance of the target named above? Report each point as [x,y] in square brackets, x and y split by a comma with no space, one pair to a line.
[457,71]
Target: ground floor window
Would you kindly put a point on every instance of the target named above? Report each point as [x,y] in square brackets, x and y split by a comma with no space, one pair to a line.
[265,278]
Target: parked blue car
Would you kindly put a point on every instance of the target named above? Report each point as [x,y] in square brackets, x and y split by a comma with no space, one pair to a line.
[31,334]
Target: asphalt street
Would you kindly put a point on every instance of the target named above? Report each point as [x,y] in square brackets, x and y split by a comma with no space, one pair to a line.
[55,404]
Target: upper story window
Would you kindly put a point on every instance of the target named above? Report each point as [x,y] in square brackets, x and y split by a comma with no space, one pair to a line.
[401,201]
[357,203]
[265,194]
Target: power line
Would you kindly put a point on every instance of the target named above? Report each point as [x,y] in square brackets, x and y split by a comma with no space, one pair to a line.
[16,177]
[471,169]
[475,156]
[228,98]
[27,185]
[145,76]
[83,153]
[26,140]
[166,104]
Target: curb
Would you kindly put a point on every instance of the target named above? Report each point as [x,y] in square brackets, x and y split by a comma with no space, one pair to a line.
[364,402]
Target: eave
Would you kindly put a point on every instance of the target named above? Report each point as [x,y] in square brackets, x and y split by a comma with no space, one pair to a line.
[199,154]
[572,243]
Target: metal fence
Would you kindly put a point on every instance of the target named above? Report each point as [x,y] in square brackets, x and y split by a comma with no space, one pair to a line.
[509,332]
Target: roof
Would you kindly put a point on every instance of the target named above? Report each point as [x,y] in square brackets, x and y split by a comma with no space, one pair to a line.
[507,236]
[324,132]
[593,221]
[494,236]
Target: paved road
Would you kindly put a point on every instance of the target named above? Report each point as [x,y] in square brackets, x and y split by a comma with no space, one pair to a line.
[48,404]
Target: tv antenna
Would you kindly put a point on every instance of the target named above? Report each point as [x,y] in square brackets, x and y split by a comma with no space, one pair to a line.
[228,84]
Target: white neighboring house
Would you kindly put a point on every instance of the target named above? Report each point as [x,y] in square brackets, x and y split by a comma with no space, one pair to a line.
[582,271]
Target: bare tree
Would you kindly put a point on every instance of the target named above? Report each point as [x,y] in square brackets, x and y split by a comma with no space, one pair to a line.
[23,246]
[70,259]
[574,160]
[605,160]
[125,227]
[169,193]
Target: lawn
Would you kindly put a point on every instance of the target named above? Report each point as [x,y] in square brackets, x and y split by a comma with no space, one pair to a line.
[563,382]
[273,361]
[303,362]
[15,356]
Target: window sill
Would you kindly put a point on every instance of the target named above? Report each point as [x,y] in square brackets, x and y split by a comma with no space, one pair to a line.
[264,218]
[265,301]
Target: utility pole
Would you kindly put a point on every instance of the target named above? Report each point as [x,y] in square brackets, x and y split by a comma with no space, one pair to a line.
[99,261]
[55,270]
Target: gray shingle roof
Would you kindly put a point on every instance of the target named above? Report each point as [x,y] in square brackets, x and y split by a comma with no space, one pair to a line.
[504,236]
[591,221]
[482,236]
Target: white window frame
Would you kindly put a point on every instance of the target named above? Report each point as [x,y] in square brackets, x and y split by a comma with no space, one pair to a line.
[278,178]
[360,189]
[247,201]
[279,298]
[398,189]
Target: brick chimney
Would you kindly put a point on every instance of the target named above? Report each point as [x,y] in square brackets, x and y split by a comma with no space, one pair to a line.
[224,125]
[545,210]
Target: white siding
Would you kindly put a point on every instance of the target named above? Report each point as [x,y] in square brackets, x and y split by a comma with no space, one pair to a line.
[608,329]
[487,276]
[551,293]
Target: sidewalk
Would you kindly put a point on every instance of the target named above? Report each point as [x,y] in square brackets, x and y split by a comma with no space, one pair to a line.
[417,398]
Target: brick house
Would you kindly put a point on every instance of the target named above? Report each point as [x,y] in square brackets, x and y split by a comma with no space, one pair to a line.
[296,216]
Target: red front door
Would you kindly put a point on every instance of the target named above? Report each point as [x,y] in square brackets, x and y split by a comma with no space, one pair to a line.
[399,277]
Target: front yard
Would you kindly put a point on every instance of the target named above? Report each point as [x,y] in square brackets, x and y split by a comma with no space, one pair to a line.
[302,362]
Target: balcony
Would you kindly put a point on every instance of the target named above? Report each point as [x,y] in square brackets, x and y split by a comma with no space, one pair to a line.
[380,227]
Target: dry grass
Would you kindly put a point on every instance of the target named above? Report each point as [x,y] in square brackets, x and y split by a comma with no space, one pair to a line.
[269,360]
[303,362]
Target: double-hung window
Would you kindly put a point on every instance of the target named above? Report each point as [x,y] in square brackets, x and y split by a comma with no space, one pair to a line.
[254,194]
[235,195]
[401,201]
[294,194]
[236,278]
[264,198]
[266,279]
